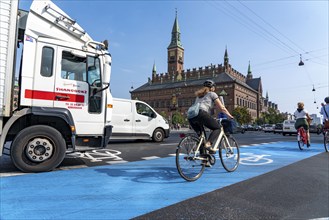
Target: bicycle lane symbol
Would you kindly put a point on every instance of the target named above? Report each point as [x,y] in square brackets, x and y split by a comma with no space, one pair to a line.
[254,159]
[99,155]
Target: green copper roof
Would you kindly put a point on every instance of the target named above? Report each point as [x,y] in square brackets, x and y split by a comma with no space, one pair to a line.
[175,35]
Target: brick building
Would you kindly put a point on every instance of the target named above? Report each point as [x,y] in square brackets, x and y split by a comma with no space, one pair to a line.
[174,90]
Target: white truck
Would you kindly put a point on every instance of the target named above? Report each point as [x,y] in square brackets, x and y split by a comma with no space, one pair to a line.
[134,119]
[63,97]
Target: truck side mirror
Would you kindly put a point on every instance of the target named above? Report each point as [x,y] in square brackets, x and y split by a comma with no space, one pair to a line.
[107,69]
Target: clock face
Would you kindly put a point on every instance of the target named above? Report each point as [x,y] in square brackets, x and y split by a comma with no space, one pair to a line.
[172,53]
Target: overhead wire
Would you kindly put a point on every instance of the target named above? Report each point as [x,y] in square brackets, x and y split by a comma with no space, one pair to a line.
[251,25]
[261,28]
[293,56]
[270,25]
[248,26]
[285,44]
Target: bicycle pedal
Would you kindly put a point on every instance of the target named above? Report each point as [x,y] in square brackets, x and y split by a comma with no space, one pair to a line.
[207,164]
[211,159]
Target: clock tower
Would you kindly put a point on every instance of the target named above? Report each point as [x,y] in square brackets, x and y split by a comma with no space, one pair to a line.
[175,51]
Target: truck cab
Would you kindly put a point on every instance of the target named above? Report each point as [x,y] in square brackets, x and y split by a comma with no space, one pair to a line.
[64,100]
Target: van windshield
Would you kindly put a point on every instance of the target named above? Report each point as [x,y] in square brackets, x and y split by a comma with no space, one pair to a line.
[143,109]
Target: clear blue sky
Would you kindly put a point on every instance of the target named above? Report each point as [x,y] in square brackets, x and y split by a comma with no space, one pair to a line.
[269,34]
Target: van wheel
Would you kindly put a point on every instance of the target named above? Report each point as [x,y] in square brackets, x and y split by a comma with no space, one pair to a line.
[158,135]
[38,148]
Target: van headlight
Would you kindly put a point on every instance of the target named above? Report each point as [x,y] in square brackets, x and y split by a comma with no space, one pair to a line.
[165,120]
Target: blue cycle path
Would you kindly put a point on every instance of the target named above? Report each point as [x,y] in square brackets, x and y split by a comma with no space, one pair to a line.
[128,190]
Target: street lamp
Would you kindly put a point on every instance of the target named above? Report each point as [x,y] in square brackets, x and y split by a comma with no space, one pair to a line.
[301,63]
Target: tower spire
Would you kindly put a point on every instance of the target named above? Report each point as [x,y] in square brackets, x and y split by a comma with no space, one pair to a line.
[175,34]
[249,75]
[226,59]
[175,50]
[154,69]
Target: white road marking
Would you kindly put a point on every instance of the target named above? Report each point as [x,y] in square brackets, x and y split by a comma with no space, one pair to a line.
[175,144]
[11,174]
[150,158]
[255,159]
[117,162]
[72,167]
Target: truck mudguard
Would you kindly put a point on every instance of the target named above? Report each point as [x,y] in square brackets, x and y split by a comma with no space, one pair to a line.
[42,111]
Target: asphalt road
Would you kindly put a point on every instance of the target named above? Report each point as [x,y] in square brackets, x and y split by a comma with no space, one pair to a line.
[139,180]
[297,191]
[129,151]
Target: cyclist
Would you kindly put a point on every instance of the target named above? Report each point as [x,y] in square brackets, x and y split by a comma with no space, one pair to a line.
[302,117]
[325,110]
[207,99]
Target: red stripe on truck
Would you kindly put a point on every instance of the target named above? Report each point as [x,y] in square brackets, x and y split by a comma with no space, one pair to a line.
[53,96]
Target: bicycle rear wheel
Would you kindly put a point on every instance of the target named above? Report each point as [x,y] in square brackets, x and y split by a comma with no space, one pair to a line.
[229,154]
[300,141]
[189,162]
[326,140]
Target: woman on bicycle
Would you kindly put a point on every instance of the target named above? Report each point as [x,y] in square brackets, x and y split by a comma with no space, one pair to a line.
[207,99]
[302,117]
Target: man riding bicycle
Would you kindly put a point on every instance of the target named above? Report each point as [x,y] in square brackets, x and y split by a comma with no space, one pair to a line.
[302,117]
[207,99]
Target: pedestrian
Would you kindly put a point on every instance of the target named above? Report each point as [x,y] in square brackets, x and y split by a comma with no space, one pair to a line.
[325,112]
[207,99]
[302,120]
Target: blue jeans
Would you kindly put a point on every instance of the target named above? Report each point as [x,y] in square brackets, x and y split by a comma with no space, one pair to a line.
[204,119]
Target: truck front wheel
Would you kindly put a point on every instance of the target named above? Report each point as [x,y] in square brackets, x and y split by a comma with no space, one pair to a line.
[158,135]
[38,148]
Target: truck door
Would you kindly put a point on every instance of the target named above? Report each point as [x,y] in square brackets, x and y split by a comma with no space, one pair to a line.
[144,121]
[78,86]
[42,90]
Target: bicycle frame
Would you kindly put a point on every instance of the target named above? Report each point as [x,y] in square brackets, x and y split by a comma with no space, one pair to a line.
[301,133]
[220,136]
[192,157]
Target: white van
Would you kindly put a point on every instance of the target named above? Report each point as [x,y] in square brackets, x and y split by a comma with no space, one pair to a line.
[288,127]
[134,119]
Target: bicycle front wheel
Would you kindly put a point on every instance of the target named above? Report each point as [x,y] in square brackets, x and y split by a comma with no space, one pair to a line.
[189,161]
[326,140]
[300,142]
[229,154]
